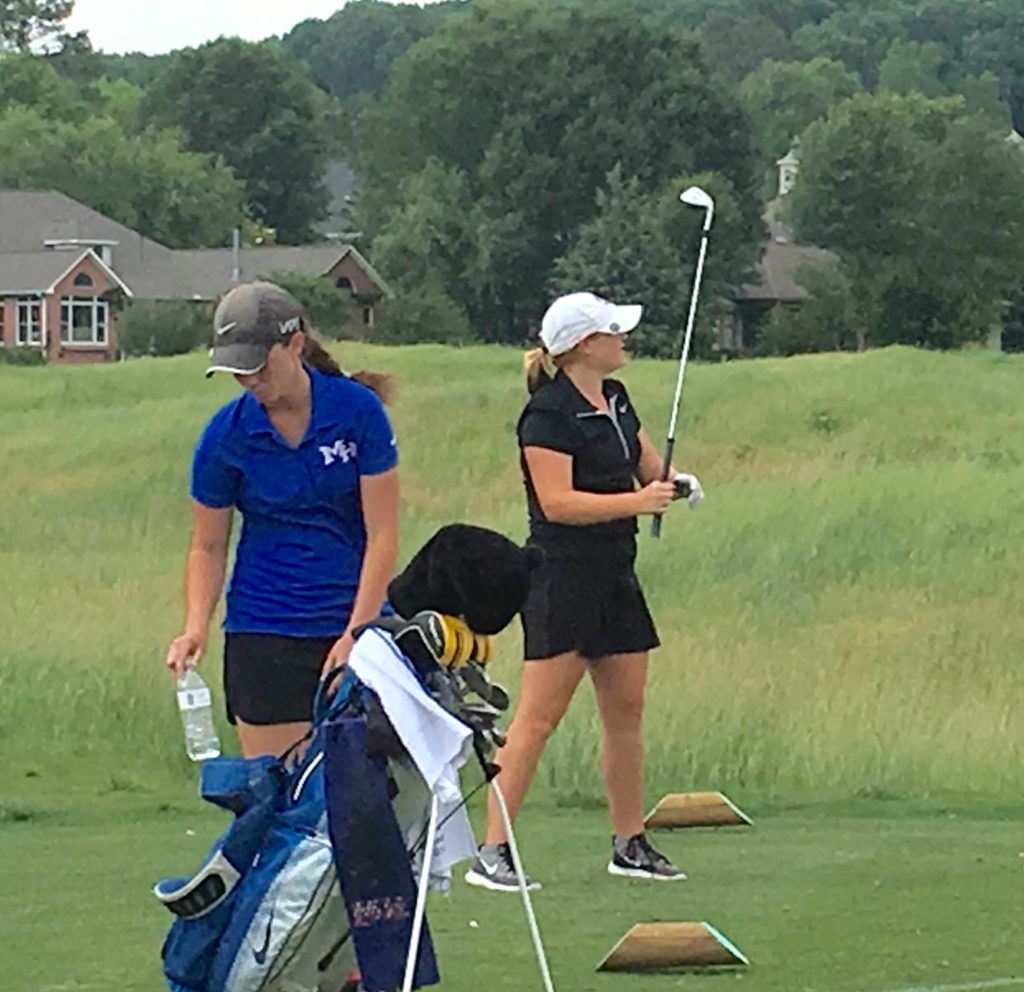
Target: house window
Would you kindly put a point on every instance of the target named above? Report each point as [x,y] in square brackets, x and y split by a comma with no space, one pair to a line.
[368,316]
[83,320]
[30,323]
[83,279]
[343,282]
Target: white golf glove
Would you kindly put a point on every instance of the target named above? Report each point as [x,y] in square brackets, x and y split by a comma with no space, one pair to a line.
[688,487]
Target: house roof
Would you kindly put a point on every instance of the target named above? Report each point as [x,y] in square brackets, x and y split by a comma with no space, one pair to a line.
[206,272]
[781,261]
[27,272]
[29,219]
[24,273]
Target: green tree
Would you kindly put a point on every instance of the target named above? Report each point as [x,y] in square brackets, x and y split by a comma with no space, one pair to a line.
[783,98]
[624,253]
[424,313]
[23,22]
[429,236]
[351,52]
[532,147]
[162,327]
[925,206]
[913,67]
[256,107]
[146,182]
[641,247]
[327,306]
[29,81]
[828,320]
[735,42]
[120,101]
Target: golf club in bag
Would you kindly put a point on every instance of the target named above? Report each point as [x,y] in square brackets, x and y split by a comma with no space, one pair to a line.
[694,196]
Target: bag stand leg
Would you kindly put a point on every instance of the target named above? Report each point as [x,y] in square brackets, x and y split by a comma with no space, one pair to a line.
[421,898]
[538,946]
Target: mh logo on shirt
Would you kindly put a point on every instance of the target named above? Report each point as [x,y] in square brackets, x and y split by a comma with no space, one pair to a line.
[340,451]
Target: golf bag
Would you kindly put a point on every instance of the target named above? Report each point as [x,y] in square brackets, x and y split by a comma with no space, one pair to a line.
[266,912]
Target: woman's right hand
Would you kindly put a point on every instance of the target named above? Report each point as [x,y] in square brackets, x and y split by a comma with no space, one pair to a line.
[656,497]
[186,649]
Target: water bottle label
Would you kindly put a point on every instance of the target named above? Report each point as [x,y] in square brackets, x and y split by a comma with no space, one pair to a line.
[194,699]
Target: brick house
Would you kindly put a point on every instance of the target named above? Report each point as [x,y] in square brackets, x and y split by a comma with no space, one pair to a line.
[66,271]
[61,301]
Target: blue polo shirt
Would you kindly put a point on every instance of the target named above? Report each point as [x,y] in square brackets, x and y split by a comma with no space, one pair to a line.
[300,553]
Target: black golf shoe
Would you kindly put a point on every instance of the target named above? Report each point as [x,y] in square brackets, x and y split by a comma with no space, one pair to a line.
[633,857]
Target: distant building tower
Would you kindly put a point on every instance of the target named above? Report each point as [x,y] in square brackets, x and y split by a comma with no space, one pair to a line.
[789,166]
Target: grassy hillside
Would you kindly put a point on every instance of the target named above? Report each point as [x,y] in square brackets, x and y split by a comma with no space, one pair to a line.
[841,615]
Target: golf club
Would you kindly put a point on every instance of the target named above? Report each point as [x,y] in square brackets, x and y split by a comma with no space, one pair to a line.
[693,196]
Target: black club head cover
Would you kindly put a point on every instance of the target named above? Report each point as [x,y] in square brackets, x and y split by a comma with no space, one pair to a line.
[469,572]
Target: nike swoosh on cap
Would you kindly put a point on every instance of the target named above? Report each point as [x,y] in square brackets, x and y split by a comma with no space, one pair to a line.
[227,327]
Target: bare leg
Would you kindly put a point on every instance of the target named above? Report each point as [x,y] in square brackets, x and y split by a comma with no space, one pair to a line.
[546,688]
[271,738]
[619,681]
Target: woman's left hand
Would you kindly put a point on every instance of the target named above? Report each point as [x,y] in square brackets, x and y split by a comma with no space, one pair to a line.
[688,487]
[339,653]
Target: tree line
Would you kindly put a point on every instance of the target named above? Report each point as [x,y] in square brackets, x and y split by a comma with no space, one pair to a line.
[510,149]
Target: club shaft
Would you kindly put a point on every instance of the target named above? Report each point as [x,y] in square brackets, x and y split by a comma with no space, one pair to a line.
[687,338]
[670,444]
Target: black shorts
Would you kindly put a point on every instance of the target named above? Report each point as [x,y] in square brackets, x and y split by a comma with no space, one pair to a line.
[272,679]
[591,603]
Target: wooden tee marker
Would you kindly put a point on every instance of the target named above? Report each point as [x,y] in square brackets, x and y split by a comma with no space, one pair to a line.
[659,946]
[696,809]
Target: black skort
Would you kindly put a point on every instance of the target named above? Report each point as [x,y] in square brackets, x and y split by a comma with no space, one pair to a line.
[272,679]
[591,603]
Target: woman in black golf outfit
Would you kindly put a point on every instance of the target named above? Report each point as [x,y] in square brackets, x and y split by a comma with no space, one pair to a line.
[590,469]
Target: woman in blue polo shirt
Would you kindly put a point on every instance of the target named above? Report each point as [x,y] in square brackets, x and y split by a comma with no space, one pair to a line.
[307,456]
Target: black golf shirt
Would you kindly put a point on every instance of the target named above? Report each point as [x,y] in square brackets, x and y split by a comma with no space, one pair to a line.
[605,450]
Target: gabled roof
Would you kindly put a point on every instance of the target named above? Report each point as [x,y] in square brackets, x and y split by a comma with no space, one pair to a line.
[205,273]
[27,273]
[782,258]
[29,219]
[32,272]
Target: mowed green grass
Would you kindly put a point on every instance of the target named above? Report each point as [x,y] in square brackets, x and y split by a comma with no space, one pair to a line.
[841,615]
[867,897]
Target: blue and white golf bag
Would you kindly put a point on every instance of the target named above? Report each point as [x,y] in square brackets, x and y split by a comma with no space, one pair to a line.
[314,877]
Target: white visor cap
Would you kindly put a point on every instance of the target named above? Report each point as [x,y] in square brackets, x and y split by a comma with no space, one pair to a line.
[572,318]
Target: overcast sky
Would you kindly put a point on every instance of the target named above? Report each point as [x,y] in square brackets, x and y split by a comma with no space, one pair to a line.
[155,26]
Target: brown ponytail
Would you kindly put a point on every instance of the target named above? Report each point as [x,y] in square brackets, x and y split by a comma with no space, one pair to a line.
[316,356]
[539,367]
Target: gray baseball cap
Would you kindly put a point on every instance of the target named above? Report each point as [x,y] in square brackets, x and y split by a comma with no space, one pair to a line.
[249,321]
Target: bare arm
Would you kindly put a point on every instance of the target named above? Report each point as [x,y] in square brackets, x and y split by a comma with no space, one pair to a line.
[204,581]
[380,515]
[551,474]
[651,461]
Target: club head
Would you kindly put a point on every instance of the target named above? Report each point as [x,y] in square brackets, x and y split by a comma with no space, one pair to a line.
[694,196]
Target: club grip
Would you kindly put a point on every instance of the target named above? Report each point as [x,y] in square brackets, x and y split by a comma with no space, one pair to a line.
[666,467]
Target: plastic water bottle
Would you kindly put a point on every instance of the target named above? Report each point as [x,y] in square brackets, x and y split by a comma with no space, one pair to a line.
[196,705]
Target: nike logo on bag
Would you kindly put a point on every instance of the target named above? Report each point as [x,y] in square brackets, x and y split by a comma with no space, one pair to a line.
[226,328]
[261,954]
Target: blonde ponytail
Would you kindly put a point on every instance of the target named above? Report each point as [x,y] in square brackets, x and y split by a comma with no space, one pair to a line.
[539,367]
